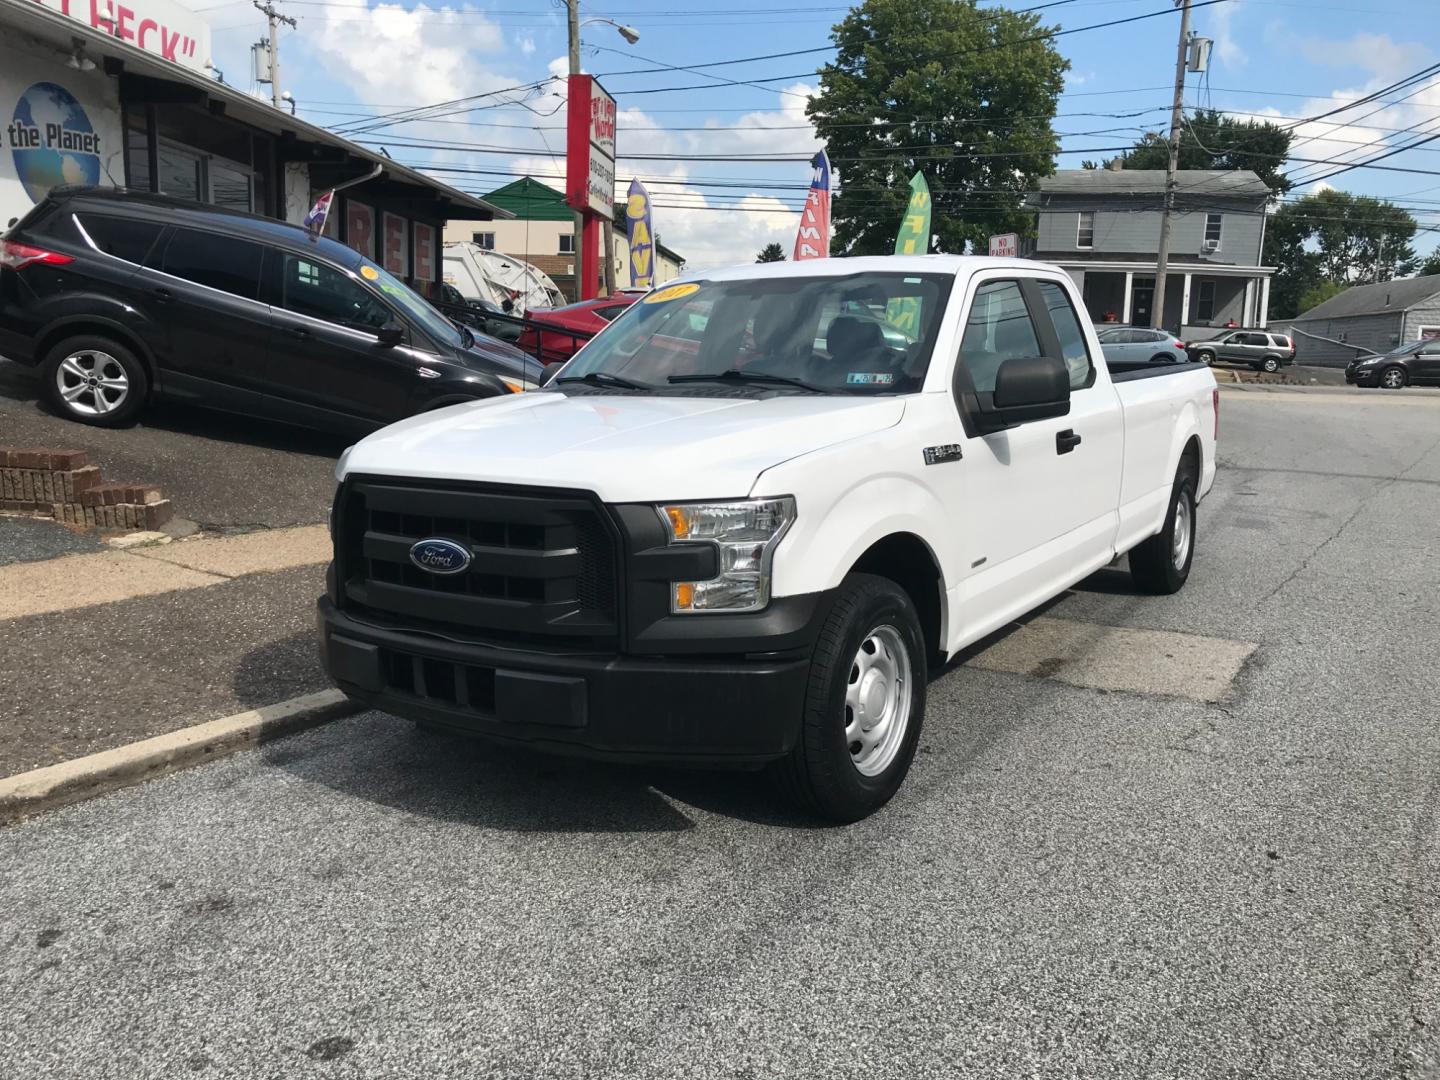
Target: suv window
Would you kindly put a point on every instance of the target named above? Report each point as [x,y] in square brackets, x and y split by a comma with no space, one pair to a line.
[323,292]
[1067,328]
[124,238]
[1252,339]
[1280,341]
[999,329]
[221,262]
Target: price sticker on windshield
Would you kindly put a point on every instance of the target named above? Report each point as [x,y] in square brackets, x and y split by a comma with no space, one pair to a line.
[673,292]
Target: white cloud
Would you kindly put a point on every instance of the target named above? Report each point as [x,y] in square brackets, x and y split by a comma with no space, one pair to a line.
[1375,53]
[527,44]
[1227,49]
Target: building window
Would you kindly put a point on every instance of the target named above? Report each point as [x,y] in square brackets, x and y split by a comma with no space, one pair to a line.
[1205,300]
[485,240]
[1085,231]
[1212,232]
[567,244]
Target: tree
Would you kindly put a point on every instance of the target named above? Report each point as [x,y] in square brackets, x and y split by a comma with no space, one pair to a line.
[771,253]
[1212,140]
[1430,266]
[1337,237]
[1318,294]
[941,87]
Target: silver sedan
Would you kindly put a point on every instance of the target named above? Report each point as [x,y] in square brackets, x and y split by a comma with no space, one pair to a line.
[1135,343]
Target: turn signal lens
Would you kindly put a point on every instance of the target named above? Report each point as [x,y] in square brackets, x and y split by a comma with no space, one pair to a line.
[679,523]
[515,387]
[684,596]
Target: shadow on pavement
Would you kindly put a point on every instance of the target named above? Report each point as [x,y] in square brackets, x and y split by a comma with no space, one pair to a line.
[281,669]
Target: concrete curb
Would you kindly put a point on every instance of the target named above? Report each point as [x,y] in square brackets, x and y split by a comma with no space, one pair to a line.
[75,781]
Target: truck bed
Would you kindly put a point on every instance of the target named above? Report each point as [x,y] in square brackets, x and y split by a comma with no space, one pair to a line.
[1130,370]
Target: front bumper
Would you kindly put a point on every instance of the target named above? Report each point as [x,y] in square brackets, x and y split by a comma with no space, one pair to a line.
[1358,376]
[726,710]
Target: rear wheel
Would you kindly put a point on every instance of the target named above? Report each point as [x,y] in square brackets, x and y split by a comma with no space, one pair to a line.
[1162,358]
[95,380]
[1161,564]
[1270,364]
[864,704]
[1393,378]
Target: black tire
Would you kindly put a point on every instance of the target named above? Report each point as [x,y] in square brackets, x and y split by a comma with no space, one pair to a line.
[820,774]
[1153,566]
[1398,378]
[102,359]
[1205,356]
[1270,365]
[1162,358]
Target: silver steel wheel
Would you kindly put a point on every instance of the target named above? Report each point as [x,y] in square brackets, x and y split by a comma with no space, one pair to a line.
[1393,379]
[1180,542]
[1271,365]
[1205,357]
[878,698]
[92,383]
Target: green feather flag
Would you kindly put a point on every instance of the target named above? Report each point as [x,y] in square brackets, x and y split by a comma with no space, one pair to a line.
[913,239]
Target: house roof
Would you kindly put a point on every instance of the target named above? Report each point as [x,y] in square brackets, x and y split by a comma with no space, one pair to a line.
[530,200]
[123,57]
[1210,182]
[1377,299]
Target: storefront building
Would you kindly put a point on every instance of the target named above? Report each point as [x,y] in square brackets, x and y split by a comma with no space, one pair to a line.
[104,92]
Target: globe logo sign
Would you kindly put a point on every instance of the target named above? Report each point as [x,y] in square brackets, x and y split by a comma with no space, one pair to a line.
[52,141]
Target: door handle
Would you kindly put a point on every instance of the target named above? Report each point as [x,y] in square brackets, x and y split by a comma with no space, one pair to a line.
[297,332]
[1066,440]
[162,295]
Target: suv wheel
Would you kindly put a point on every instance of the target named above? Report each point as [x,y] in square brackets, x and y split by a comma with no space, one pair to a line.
[1205,356]
[1393,378]
[95,380]
[1161,564]
[864,705]
[1270,364]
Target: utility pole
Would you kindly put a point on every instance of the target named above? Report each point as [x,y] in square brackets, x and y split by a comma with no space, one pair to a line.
[1177,113]
[272,46]
[573,16]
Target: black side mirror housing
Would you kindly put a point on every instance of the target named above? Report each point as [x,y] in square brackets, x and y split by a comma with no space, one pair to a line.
[390,335]
[1026,388]
[551,370]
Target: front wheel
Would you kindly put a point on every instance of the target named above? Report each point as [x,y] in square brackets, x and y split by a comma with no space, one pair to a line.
[1393,378]
[1161,564]
[1205,356]
[864,704]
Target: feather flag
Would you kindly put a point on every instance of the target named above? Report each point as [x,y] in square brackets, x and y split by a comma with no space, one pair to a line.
[913,239]
[813,239]
[642,237]
[315,220]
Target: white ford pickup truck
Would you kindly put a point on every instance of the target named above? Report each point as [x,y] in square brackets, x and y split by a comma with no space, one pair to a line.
[744,523]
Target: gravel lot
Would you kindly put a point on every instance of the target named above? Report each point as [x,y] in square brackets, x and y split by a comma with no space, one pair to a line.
[1074,882]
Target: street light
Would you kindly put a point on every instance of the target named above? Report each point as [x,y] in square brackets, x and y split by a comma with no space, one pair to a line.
[629,33]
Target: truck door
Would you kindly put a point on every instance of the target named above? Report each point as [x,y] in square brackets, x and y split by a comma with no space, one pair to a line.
[1040,498]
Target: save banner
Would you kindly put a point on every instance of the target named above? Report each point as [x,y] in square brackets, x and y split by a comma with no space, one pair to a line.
[642,237]
[913,239]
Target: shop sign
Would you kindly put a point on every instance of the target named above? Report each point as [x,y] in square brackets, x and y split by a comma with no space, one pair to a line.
[168,29]
[590,147]
[360,228]
[424,252]
[51,140]
[397,255]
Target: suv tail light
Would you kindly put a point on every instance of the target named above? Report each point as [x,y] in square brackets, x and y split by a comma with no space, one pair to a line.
[1215,401]
[1179,345]
[16,255]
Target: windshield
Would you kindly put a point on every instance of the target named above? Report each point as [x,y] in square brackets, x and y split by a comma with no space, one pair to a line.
[869,333]
[413,304]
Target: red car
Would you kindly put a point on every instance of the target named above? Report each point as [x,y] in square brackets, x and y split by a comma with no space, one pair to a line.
[587,318]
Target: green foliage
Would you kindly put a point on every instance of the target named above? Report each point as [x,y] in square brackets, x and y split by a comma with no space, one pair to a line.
[1317,294]
[771,253]
[1335,237]
[1430,266]
[1212,140]
[932,86]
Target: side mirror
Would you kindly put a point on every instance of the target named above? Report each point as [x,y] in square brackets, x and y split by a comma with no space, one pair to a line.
[1026,388]
[390,335]
[551,370]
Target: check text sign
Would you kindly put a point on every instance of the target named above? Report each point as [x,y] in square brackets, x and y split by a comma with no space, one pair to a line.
[163,27]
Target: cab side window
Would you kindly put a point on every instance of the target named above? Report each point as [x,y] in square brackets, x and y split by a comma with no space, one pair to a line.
[323,292]
[221,262]
[999,328]
[1073,349]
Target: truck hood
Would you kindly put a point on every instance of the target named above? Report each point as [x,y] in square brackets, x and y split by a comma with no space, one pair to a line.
[625,448]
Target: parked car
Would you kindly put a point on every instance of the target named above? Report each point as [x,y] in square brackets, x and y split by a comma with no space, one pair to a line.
[1138,343]
[1417,362]
[121,297]
[1263,350]
[478,314]
[587,318]
[693,547]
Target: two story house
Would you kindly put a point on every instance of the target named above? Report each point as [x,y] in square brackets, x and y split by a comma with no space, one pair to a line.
[1103,227]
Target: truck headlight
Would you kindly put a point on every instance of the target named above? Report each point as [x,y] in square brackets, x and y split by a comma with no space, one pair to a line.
[744,535]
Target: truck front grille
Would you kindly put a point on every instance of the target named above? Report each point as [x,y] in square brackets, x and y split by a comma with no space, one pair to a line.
[543,561]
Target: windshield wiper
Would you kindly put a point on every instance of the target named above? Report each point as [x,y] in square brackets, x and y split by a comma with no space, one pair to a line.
[736,375]
[605,378]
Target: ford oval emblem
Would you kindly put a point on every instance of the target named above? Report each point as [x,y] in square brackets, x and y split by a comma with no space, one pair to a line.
[440,556]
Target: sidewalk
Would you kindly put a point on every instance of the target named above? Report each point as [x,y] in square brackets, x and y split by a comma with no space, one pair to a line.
[102,648]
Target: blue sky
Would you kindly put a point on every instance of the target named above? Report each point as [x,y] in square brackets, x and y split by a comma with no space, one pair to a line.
[348,61]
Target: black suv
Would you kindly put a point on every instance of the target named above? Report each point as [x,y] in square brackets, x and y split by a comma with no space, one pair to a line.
[1264,350]
[120,296]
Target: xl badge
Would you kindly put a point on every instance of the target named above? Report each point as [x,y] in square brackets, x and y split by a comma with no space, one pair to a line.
[440,556]
[938,455]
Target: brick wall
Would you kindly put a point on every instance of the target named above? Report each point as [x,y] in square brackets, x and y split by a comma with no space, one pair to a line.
[64,485]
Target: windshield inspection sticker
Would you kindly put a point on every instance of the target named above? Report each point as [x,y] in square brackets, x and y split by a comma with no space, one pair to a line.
[369,273]
[674,292]
[870,378]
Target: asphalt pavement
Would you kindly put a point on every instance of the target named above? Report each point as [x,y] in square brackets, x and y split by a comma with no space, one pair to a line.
[1076,881]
